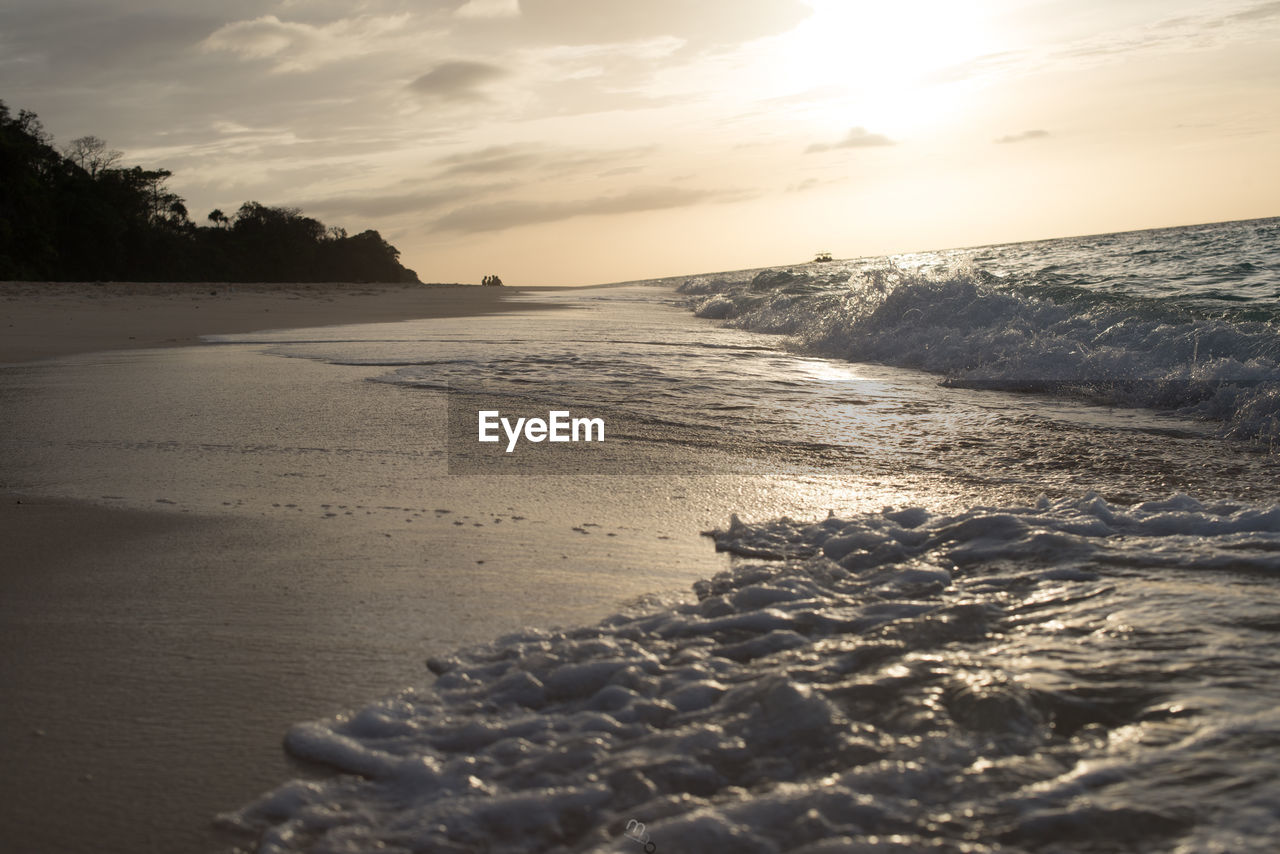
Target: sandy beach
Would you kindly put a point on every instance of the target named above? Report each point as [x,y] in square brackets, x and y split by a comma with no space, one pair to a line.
[870,443]
[250,594]
[42,320]
[154,658]
[205,544]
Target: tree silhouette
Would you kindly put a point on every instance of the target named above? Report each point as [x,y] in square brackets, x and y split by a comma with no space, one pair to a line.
[91,154]
[79,215]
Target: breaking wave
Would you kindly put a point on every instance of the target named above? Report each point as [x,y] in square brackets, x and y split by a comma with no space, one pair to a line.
[981,330]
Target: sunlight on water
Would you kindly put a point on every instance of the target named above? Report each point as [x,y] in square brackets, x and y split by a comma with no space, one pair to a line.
[1004,572]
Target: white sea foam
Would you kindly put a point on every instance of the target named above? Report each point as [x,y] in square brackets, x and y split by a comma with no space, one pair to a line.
[980,330]
[1074,674]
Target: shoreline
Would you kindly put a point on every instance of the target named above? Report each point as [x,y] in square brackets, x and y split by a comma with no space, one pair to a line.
[327,552]
[209,544]
[143,641]
[46,320]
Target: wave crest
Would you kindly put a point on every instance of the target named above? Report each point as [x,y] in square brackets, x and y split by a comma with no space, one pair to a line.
[982,330]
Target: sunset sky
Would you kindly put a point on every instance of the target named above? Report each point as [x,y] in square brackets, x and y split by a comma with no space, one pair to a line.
[581,141]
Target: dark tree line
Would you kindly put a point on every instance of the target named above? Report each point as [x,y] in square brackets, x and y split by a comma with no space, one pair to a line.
[77,215]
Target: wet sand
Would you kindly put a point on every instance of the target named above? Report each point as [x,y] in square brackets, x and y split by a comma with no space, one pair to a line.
[153,659]
[41,320]
[125,633]
[204,545]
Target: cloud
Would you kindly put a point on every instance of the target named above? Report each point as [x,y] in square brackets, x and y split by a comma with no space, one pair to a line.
[499,216]
[547,160]
[261,37]
[459,80]
[47,45]
[858,137]
[301,47]
[812,184]
[1261,12]
[702,23]
[489,9]
[1183,33]
[377,206]
[1110,44]
[469,178]
[497,158]
[1023,137]
[980,66]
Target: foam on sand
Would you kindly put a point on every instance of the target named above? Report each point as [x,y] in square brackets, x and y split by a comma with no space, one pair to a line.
[998,679]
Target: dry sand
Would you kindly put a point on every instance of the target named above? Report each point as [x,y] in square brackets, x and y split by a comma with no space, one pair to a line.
[41,320]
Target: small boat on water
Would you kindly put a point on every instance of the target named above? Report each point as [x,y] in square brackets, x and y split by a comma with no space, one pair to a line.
[822,256]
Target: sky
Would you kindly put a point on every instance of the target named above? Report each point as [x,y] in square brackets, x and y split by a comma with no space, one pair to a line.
[557,142]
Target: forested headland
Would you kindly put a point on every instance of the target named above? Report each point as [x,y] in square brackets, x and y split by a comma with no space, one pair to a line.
[77,214]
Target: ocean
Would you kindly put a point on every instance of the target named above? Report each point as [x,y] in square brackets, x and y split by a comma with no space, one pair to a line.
[1003,576]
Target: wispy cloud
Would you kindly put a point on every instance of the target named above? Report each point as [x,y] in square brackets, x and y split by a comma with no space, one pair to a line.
[419,200]
[1195,32]
[1260,12]
[546,160]
[504,215]
[489,9]
[702,24]
[1187,32]
[495,159]
[1023,137]
[858,137]
[979,66]
[299,46]
[460,80]
[481,186]
[812,184]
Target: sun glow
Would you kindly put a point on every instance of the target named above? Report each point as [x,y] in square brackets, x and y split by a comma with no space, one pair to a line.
[883,65]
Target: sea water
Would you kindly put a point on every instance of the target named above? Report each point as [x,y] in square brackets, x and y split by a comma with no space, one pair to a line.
[1056,633]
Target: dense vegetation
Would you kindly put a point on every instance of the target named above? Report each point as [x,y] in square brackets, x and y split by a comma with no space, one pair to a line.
[78,215]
